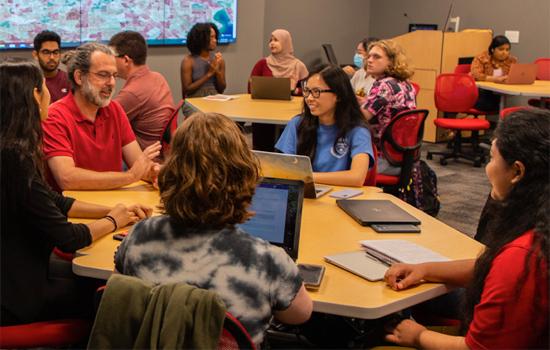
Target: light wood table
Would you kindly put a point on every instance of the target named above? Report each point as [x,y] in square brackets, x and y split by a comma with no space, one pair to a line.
[325,230]
[540,88]
[245,109]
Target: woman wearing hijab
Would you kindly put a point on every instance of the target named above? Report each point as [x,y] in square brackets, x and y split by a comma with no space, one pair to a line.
[281,63]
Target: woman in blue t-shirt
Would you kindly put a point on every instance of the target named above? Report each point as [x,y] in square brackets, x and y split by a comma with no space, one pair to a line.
[331,130]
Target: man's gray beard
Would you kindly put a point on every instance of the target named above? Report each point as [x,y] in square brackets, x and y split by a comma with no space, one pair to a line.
[93,96]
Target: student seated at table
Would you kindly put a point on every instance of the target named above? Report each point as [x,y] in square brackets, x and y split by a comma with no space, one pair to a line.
[87,135]
[33,217]
[145,96]
[203,71]
[206,187]
[507,286]
[390,94]
[281,63]
[331,130]
[361,81]
[492,65]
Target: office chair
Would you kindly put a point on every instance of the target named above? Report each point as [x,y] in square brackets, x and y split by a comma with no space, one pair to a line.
[329,52]
[370,179]
[463,68]
[234,335]
[543,73]
[46,334]
[457,93]
[401,143]
[504,113]
[169,130]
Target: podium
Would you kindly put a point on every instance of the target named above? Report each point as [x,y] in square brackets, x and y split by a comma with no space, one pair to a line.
[431,53]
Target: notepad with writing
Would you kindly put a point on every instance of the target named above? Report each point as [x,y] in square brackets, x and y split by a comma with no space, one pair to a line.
[397,250]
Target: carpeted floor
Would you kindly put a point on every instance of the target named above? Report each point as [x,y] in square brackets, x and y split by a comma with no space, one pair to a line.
[463,190]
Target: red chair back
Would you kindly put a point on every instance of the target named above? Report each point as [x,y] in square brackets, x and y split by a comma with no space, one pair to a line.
[169,129]
[543,68]
[416,88]
[455,93]
[463,68]
[370,179]
[404,133]
[234,335]
[504,113]
[48,334]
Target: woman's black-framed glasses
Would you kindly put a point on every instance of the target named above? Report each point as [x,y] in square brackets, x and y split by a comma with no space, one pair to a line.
[315,92]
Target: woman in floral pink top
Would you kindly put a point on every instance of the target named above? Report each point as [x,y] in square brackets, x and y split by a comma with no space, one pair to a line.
[390,94]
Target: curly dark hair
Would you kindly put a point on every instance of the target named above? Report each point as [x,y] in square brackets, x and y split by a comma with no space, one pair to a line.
[347,113]
[131,44]
[198,38]
[210,176]
[21,155]
[524,136]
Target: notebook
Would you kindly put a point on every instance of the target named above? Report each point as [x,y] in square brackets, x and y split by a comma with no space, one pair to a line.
[293,167]
[367,212]
[277,204]
[522,74]
[270,88]
[372,263]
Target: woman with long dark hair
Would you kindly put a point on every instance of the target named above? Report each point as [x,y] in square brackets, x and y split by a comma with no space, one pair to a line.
[492,65]
[331,130]
[507,286]
[33,217]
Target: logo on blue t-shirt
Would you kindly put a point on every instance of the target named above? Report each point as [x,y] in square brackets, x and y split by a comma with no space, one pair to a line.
[340,148]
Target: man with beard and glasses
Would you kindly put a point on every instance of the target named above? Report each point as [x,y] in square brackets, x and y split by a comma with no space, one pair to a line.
[87,136]
[47,53]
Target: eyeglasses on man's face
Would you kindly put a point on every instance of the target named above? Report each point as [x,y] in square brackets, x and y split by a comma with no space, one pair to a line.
[46,52]
[104,76]
[315,92]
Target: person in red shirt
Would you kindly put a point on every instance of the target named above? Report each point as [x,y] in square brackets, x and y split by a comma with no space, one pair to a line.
[507,296]
[87,136]
[146,96]
[47,52]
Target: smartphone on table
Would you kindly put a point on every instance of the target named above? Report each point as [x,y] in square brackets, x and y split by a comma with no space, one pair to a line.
[120,236]
[311,274]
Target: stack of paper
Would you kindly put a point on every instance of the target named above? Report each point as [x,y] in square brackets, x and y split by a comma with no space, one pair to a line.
[219,97]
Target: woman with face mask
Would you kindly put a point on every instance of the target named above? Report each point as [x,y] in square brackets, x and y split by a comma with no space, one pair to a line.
[361,82]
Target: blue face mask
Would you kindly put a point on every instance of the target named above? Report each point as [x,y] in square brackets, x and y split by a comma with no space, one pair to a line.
[358,60]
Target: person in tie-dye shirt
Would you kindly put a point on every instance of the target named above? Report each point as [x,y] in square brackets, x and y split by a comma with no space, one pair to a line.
[390,94]
[206,187]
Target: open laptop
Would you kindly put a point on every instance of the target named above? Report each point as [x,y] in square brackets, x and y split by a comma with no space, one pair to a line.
[293,167]
[522,73]
[368,212]
[270,88]
[278,207]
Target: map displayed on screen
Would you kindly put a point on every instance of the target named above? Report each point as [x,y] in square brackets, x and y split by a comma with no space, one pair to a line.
[161,22]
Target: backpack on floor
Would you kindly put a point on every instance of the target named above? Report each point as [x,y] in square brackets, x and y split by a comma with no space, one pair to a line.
[422,189]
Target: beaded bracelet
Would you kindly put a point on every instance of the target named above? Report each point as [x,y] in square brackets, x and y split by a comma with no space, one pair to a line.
[112,219]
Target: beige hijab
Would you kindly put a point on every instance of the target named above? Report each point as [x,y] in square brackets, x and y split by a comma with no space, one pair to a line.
[284,64]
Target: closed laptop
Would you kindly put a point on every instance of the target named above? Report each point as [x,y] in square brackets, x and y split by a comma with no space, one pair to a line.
[270,88]
[368,212]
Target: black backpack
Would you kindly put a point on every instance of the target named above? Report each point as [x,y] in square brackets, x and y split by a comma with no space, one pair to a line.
[421,192]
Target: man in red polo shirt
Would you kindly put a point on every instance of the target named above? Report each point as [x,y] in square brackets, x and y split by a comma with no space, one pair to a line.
[87,136]
[146,96]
